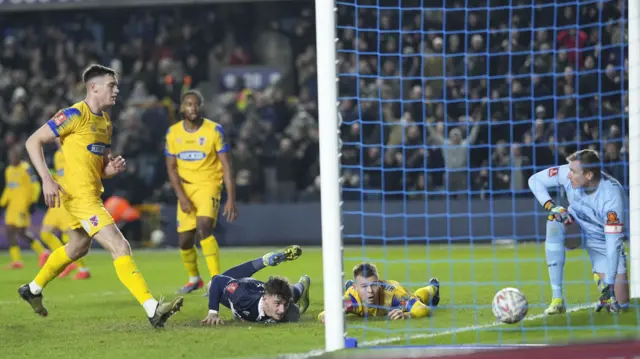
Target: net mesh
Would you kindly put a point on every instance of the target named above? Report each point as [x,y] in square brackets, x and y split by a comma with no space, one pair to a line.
[448,107]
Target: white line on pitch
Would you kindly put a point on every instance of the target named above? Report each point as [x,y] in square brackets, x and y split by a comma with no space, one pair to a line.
[471,328]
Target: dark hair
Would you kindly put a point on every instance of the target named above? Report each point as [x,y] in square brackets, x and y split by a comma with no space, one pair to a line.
[97,71]
[195,93]
[365,269]
[279,287]
[589,161]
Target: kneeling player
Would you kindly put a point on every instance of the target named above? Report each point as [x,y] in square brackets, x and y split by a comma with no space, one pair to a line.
[596,203]
[386,297]
[254,301]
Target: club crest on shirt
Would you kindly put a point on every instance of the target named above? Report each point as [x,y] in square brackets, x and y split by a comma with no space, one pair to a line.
[612,218]
[201,141]
[231,288]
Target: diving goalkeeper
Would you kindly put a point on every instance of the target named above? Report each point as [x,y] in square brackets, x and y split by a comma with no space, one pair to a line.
[367,295]
[596,202]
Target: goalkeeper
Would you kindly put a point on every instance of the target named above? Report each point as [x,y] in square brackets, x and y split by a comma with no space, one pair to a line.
[386,297]
[596,202]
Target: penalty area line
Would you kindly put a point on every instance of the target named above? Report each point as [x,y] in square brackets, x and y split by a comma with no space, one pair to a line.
[471,328]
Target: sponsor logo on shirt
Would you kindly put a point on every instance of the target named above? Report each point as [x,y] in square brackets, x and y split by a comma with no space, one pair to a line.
[192,155]
[97,148]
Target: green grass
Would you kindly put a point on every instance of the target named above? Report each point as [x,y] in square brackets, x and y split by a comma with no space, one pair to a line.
[99,319]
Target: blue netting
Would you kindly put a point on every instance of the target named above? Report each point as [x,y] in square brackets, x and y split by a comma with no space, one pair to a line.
[448,107]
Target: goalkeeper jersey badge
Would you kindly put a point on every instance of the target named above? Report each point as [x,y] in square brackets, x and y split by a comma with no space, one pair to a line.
[201,141]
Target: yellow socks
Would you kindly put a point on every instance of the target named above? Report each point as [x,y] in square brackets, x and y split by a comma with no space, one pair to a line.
[57,262]
[131,277]
[82,266]
[14,252]
[37,247]
[210,250]
[190,261]
[50,240]
[425,293]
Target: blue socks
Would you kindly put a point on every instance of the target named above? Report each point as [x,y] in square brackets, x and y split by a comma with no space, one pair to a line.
[554,248]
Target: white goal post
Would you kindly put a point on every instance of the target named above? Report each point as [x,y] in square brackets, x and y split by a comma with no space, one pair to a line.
[634,146]
[330,193]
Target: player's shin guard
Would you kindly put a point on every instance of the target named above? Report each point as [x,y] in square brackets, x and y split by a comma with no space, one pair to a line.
[131,277]
[555,253]
[57,262]
[50,240]
[190,261]
[14,253]
[37,247]
[210,250]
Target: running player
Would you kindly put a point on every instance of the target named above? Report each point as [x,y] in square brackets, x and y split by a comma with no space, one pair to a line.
[85,131]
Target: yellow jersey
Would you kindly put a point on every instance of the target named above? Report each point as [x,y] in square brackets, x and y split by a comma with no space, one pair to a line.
[85,137]
[22,188]
[392,296]
[197,152]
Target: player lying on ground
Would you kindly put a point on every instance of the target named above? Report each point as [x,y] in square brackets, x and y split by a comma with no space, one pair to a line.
[596,202]
[85,133]
[58,219]
[254,301]
[20,194]
[198,163]
[386,297]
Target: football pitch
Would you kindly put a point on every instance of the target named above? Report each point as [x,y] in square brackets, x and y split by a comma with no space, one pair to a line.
[99,318]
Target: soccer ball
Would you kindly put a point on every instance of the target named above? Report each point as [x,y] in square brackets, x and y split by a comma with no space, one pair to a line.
[510,306]
[157,237]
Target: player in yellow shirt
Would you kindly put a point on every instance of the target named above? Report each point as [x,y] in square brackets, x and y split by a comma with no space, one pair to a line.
[57,219]
[85,131]
[198,164]
[386,297]
[21,192]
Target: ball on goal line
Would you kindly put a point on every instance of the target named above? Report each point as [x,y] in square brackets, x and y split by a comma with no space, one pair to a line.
[510,306]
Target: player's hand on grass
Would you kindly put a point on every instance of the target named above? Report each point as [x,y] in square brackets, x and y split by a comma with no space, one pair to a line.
[185,204]
[51,191]
[230,212]
[212,319]
[558,213]
[114,166]
[396,314]
[608,300]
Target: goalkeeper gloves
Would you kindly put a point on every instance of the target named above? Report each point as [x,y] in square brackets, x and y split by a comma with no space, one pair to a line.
[608,300]
[557,213]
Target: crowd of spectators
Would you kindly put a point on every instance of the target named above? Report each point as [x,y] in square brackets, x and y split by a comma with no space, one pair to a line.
[465,100]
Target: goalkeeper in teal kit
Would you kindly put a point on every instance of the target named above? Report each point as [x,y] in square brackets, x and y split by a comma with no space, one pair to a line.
[596,203]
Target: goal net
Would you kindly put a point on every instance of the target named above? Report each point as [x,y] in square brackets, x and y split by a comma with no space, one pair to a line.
[446,109]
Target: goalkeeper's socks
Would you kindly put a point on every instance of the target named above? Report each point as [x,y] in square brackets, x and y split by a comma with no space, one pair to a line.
[554,249]
[50,240]
[57,262]
[210,250]
[190,262]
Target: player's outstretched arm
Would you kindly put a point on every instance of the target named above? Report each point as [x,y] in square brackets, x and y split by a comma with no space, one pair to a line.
[218,283]
[50,188]
[552,177]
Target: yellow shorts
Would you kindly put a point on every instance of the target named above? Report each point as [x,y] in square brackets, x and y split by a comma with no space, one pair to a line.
[58,218]
[17,217]
[87,213]
[206,200]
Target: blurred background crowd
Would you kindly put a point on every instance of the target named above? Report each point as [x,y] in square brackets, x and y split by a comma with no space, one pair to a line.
[463,101]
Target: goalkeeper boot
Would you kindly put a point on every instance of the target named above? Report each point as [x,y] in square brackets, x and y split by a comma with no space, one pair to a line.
[164,311]
[35,300]
[288,254]
[348,284]
[436,297]
[304,298]
[556,307]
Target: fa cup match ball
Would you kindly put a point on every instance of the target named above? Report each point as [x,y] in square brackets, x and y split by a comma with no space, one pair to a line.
[510,306]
